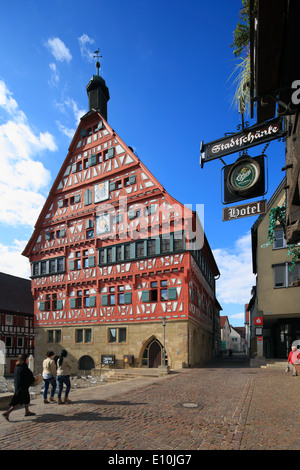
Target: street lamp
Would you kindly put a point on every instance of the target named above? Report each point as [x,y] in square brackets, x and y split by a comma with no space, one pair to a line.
[164,349]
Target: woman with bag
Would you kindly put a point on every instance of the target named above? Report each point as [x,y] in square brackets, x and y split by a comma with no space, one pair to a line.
[63,377]
[23,379]
[49,376]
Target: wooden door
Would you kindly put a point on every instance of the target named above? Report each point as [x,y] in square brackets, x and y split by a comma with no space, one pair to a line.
[155,352]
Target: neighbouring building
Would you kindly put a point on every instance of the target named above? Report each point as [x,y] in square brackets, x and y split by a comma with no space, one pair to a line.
[16,318]
[237,339]
[121,271]
[225,333]
[275,298]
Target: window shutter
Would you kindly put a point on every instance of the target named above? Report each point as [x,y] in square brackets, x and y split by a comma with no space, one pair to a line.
[89,223]
[132,179]
[172,293]
[145,296]
[71,265]
[59,305]
[88,197]
[74,168]
[111,152]
[93,301]
[104,299]
[279,275]
[127,298]
[92,160]
[77,198]
[112,186]
[91,261]
[60,203]
[72,303]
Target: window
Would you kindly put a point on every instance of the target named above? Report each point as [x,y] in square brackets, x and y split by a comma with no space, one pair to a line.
[83,335]
[116,298]
[140,249]
[126,251]
[54,336]
[119,253]
[51,302]
[159,293]
[165,245]
[280,241]
[283,277]
[178,244]
[76,299]
[48,267]
[151,247]
[117,335]
[9,320]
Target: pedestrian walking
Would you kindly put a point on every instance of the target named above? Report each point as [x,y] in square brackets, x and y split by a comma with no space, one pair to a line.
[63,377]
[23,379]
[294,358]
[49,376]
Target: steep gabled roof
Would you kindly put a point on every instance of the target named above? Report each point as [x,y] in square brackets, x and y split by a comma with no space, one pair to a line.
[15,294]
[61,180]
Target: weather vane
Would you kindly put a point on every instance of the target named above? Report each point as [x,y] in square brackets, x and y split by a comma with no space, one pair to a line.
[96,55]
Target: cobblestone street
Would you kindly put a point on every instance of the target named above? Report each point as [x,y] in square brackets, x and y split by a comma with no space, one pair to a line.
[224,406]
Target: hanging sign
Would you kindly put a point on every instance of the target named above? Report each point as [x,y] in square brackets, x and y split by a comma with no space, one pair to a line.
[239,141]
[244,179]
[244,210]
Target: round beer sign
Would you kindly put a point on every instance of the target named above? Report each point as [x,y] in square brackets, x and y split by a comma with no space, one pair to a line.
[243,175]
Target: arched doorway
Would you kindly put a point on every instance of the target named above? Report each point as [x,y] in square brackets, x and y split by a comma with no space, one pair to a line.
[86,363]
[153,354]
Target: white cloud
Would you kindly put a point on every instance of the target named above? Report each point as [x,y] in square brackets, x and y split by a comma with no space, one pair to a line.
[22,178]
[235,265]
[69,132]
[54,78]
[11,260]
[64,107]
[84,42]
[59,50]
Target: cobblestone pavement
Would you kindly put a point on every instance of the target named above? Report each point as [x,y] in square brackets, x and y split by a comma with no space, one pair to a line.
[224,406]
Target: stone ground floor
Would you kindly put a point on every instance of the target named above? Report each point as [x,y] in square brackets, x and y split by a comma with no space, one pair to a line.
[135,345]
[224,406]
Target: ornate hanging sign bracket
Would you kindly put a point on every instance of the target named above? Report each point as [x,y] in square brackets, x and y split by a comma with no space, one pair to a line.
[240,141]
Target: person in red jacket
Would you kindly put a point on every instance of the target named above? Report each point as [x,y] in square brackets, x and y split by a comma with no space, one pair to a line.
[294,358]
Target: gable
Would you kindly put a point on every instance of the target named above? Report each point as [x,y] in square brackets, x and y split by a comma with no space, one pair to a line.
[103,186]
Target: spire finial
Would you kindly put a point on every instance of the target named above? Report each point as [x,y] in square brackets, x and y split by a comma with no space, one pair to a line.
[96,55]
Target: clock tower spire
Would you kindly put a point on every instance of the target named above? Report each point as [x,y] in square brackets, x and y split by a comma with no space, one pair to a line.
[97,91]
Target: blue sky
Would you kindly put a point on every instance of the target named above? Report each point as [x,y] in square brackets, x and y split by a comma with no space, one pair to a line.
[168,67]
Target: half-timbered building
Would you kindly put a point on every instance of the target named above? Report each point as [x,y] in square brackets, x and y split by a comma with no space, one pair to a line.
[118,266]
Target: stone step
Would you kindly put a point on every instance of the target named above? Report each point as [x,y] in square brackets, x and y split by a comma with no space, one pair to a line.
[115,375]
